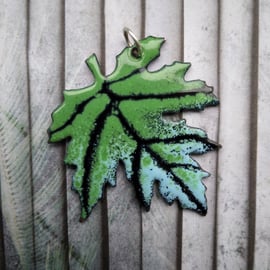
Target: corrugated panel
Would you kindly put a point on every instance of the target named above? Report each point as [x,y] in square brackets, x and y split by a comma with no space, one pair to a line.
[201,49]
[43,45]
[15,137]
[262,214]
[83,36]
[46,70]
[235,134]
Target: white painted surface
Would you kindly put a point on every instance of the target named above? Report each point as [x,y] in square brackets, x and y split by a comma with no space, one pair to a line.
[200,48]
[233,166]
[46,85]
[15,166]
[262,233]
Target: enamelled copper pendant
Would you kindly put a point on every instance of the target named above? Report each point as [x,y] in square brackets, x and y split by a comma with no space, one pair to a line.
[119,119]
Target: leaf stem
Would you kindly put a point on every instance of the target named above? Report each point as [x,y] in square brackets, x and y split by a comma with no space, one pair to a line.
[94,66]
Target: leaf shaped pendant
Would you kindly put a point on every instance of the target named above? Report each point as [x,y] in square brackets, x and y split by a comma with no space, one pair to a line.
[119,118]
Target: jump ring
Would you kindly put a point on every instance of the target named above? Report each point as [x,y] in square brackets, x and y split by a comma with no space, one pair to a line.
[127,33]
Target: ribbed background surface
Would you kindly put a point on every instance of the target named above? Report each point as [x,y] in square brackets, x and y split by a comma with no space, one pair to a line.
[43,45]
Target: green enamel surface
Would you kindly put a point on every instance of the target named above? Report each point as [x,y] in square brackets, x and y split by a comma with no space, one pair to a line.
[179,153]
[145,116]
[126,63]
[106,159]
[80,125]
[169,79]
[119,118]
[72,98]
[168,187]
[192,179]
[167,105]
[81,128]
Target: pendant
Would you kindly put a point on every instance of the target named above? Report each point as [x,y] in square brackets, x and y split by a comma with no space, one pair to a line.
[119,119]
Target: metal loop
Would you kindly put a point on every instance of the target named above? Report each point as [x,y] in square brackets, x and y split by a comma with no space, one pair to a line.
[138,52]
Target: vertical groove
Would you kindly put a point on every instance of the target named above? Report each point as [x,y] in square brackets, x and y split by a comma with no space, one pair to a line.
[28,11]
[2,248]
[215,254]
[141,239]
[253,134]
[63,167]
[143,20]
[105,233]
[182,30]
[180,212]
[104,217]
[103,38]
[143,17]
[179,239]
